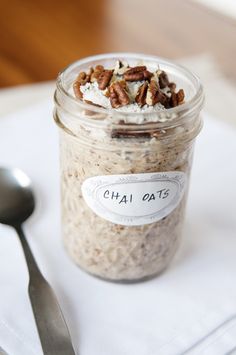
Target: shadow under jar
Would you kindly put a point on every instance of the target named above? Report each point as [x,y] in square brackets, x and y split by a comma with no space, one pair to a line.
[124,185]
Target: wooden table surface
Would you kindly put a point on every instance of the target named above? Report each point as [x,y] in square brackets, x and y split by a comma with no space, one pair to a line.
[38,38]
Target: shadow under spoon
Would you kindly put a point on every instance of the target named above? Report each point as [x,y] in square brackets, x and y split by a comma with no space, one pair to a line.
[17,203]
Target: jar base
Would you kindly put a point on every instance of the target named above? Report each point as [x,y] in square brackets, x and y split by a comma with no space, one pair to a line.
[136,280]
[124,281]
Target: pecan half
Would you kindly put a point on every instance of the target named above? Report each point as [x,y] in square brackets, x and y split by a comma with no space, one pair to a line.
[96,73]
[172,87]
[82,79]
[152,93]
[177,99]
[163,99]
[118,95]
[138,73]
[155,95]
[163,80]
[104,79]
[137,69]
[76,88]
[141,94]
[180,96]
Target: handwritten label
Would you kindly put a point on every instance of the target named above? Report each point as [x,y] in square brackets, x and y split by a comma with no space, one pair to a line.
[134,199]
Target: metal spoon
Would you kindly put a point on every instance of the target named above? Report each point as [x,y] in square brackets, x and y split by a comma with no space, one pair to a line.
[17,203]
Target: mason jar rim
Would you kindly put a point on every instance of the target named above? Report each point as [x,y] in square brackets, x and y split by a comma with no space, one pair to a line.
[195,102]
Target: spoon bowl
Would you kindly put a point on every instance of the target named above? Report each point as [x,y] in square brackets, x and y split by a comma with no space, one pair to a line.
[17,201]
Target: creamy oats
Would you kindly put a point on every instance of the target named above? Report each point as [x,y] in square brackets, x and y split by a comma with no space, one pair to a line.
[127,230]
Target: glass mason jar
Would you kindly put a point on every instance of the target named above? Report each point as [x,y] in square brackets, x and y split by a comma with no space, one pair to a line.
[125,175]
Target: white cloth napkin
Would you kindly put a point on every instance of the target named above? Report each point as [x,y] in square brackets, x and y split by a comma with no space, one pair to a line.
[165,316]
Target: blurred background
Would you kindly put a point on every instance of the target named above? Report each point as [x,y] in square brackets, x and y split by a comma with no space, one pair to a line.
[39,38]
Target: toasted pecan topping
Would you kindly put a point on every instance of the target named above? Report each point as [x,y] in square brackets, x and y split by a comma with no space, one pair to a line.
[96,73]
[177,98]
[172,87]
[155,95]
[152,93]
[104,79]
[76,88]
[82,79]
[181,96]
[173,100]
[163,80]
[141,94]
[137,73]
[139,68]
[163,99]
[155,87]
[118,95]
[123,84]
[99,68]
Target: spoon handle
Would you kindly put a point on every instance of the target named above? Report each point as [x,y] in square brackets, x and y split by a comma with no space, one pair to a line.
[53,332]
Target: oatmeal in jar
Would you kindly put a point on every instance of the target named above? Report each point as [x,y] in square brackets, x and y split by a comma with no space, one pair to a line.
[127,129]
